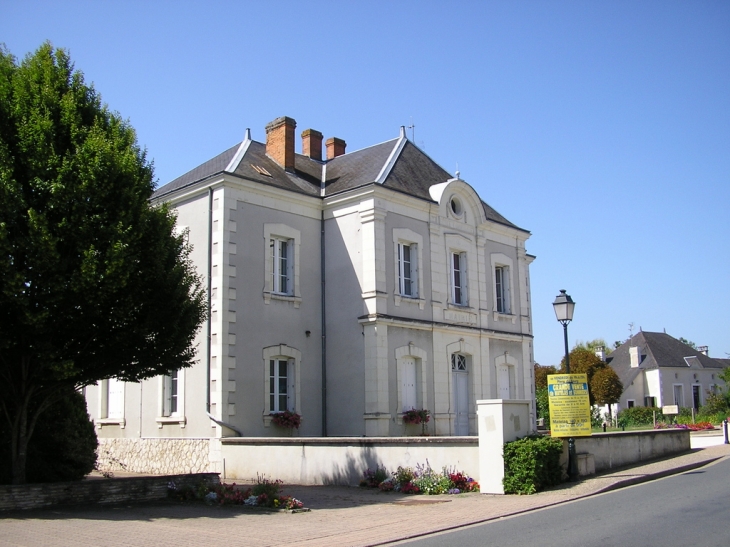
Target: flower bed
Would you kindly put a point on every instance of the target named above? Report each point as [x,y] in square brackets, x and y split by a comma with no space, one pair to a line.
[699,426]
[264,494]
[421,480]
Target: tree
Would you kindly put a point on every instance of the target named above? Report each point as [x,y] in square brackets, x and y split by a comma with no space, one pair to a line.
[541,374]
[594,345]
[584,361]
[606,387]
[94,282]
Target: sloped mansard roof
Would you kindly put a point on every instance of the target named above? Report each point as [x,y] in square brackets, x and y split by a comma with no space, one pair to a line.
[397,164]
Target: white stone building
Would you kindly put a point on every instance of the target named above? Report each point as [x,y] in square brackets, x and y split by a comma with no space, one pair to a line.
[347,288]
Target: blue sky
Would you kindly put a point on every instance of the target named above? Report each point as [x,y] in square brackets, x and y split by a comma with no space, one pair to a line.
[601,127]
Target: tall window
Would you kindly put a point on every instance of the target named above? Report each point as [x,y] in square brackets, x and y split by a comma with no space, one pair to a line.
[115,399]
[407,258]
[281,385]
[170,394]
[281,256]
[458,278]
[408,384]
[501,280]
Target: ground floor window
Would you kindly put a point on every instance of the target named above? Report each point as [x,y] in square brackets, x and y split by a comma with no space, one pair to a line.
[281,385]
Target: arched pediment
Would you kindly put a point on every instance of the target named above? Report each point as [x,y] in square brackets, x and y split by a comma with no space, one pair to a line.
[458,201]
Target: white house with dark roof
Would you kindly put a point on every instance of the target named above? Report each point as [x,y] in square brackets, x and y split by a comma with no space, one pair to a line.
[346,288]
[659,370]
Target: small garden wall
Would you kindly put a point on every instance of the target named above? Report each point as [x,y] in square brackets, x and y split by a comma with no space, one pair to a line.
[95,491]
[342,460]
[623,448]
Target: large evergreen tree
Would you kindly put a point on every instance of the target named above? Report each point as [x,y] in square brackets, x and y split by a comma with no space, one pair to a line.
[94,282]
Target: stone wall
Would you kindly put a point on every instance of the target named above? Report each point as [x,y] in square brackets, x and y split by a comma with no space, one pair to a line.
[154,456]
[95,491]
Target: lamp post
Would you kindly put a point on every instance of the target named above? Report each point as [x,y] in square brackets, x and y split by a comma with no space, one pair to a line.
[564,307]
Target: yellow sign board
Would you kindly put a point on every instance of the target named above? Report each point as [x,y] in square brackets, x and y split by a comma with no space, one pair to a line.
[570,407]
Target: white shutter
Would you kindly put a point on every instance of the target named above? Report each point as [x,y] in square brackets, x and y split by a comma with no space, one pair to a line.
[408,383]
[115,399]
[291,403]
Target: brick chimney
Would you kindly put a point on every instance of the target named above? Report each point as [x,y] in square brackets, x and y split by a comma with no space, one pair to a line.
[312,144]
[335,147]
[280,141]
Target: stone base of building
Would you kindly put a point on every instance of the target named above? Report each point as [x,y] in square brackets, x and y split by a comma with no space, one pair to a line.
[155,456]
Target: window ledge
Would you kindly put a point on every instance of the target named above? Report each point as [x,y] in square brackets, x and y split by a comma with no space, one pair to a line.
[269,296]
[268,417]
[121,422]
[399,298]
[169,420]
[498,316]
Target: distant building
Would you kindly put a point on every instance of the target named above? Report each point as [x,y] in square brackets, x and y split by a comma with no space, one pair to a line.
[658,370]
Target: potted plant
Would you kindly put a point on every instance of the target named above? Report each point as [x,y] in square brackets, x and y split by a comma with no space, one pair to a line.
[417,416]
[286,419]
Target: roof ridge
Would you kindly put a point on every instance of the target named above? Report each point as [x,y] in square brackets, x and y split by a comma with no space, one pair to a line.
[394,155]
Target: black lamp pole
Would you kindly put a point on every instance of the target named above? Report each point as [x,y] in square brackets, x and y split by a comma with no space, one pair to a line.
[564,307]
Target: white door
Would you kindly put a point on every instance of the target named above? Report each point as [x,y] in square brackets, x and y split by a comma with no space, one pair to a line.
[461,403]
[503,382]
[408,384]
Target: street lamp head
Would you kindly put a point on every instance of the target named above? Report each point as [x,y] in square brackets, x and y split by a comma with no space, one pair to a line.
[563,307]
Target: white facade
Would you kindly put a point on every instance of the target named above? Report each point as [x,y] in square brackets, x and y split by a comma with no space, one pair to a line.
[345,308]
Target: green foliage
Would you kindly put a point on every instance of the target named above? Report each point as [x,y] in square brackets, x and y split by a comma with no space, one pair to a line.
[593,345]
[639,415]
[430,482]
[531,464]
[602,389]
[63,447]
[605,386]
[543,405]
[266,487]
[715,403]
[94,283]
[541,374]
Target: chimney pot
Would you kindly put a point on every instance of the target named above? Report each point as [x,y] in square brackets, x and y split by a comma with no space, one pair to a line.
[312,144]
[280,141]
[335,147]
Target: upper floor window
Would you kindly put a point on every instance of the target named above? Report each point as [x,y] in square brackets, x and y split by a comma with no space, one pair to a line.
[281,266]
[458,279]
[501,281]
[407,280]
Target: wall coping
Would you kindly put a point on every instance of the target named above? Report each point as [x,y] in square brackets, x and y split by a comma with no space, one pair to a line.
[352,441]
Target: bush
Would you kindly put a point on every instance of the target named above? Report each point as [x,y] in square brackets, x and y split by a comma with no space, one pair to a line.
[531,464]
[542,401]
[639,415]
[63,445]
[714,404]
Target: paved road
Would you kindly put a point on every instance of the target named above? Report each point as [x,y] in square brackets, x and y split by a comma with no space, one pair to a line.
[688,509]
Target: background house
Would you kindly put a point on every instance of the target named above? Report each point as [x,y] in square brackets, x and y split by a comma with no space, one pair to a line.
[346,287]
[658,370]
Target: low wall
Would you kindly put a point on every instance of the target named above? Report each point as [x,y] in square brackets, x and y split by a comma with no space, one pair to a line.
[623,448]
[95,491]
[155,456]
[342,460]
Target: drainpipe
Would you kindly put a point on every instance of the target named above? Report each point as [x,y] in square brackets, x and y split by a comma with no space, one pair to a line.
[210,282]
[324,329]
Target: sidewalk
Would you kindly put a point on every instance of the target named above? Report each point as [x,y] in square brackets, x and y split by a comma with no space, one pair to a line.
[341,516]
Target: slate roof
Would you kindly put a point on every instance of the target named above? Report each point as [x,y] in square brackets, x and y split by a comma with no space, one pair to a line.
[658,349]
[396,164]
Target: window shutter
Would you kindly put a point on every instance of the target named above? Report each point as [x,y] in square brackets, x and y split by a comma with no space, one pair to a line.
[291,403]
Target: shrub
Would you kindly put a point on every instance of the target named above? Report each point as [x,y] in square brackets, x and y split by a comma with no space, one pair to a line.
[714,404]
[639,415]
[531,464]
[543,405]
[63,445]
